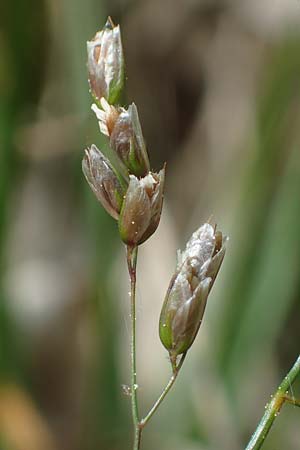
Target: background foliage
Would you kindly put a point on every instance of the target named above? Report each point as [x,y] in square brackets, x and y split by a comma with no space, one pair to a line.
[217,87]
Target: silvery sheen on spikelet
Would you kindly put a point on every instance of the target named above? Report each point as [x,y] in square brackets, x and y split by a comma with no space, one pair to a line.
[141,209]
[131,194]
[125,135]
[186,298]
[104,181]
[106,63]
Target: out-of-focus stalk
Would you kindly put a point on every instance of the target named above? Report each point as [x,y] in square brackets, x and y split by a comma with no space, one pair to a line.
[273,408]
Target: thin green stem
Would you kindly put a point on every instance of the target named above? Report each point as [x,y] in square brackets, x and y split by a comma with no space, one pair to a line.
[131,262]
[273,408]
[172,380]
[137,437]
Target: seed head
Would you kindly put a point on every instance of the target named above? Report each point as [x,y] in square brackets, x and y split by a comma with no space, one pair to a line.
[186,298]
[103,180]
[106,63]
[126,138]
[141,209]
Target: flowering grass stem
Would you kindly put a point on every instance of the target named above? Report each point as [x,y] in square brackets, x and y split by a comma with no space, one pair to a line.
[274,406]
[133,196]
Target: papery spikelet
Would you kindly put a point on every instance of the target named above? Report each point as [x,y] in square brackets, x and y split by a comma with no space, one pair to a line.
[141,208]
[126,138]
[106,63]
[185,302]
[103,180]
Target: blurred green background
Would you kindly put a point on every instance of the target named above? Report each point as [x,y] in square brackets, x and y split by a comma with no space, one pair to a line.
[217,87]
